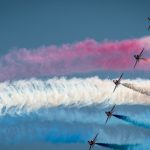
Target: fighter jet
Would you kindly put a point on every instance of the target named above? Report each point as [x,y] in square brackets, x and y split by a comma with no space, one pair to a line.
[117,82]
[92,142]
[138,57]
[109,113]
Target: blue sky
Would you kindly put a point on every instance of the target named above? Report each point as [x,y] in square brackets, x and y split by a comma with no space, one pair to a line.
[30,24]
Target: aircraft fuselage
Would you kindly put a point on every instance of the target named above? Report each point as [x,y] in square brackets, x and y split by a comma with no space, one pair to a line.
[91,142]
[137,57]
[108,113]
[116,82]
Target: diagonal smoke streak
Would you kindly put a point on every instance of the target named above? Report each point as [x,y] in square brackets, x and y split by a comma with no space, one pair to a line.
[133,122]
[141,90]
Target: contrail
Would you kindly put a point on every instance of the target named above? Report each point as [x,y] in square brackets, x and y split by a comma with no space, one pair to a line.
[134,122]
[136,88]
[27,96]
[119,146]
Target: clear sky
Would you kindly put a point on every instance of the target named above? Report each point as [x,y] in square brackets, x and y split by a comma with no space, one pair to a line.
[34,23]
[26,28]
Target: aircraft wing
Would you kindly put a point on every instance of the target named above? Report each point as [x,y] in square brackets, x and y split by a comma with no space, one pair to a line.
[135,63]
[95,137]
[107,120]
[90,147]
[115,88]
[141,52]
[120,76]
[113,108]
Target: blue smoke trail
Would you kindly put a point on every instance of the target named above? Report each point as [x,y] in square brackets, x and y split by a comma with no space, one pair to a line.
[119,146]
[43,131]
[133,122]
[64,125]
[33,128]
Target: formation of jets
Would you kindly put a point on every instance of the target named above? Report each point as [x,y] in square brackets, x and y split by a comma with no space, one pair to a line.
[137,57]
[109,114]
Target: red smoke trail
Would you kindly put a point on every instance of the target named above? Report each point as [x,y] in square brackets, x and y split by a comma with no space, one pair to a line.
[147,60]
[84,56]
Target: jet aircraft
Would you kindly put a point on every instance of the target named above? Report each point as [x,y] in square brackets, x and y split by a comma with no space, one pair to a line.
[117,82]
[109,113]
[92,142]
[138,57]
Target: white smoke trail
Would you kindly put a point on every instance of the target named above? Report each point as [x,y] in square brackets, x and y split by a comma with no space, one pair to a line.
[136,88]
[31,95]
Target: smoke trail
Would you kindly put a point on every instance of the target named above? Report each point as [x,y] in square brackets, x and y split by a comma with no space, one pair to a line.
[67,127]
[65,114]
[134,122]
[44,131]
[146,60]
[38,130]
[26,96]
[84,56]
[136,88]
[119,146]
